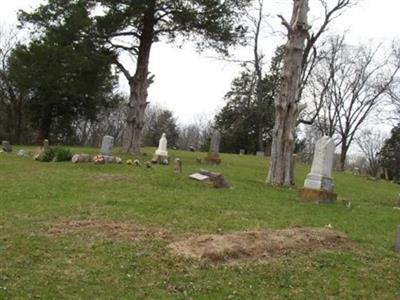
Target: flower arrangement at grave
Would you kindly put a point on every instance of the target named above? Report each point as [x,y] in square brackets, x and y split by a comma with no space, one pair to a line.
[99,159]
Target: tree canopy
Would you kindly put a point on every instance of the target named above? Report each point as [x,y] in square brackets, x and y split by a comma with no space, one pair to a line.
[64,73]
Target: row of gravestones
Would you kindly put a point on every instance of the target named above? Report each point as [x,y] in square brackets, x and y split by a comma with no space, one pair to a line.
[318,185]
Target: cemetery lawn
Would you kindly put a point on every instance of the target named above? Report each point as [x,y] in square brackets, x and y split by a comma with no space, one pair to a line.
[45,255]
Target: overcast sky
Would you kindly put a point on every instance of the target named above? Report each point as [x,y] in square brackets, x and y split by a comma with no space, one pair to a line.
[193,84]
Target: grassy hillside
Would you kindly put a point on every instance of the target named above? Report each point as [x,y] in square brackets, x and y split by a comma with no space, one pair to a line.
[39,262]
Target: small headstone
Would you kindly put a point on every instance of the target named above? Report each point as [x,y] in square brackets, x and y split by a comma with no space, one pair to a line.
[137,163]
[198,177]
[213,153]
[129,162]
[6,146]
[260,153]
[397,246]
[217,179]
[178,166]
[318,185]
[192,149]
[148,165]
[242,152]
[107,145]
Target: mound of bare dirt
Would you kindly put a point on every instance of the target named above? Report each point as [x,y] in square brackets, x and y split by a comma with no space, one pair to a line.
[258,245]
[107,229]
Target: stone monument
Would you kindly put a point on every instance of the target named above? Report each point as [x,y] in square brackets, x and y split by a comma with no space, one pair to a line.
[6,146]
[213,154]
[161,153]
[107,145]
[318,185]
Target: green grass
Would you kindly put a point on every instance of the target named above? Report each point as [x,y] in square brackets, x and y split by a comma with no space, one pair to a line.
[33,265]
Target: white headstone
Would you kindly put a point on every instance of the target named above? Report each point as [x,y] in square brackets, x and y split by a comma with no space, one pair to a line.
[107,145]
[320,177]
[162,146]
[199,177]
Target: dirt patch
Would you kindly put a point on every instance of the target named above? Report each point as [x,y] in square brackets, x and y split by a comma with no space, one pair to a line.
[258,245]
[111,178]
[107,229]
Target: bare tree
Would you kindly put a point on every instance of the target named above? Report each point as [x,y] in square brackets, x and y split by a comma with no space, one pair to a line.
[11,99]
[257,21]
[298,65]
[196,134]
[110,121]
[371,143]
[358,80]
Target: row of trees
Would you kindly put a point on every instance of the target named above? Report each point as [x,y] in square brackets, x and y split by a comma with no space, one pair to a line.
[66,74]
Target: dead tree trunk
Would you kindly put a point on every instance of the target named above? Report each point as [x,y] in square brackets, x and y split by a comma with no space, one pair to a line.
[281,167]
[139,84]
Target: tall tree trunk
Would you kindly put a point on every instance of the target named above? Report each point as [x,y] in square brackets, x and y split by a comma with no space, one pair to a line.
[139,84]
[281,169]
[18,122]
[258,70]
[44,126]
[260,138]
[343,155]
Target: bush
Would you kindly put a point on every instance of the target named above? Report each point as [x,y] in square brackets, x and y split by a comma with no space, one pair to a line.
[62,154]
[55,154]
[47,155]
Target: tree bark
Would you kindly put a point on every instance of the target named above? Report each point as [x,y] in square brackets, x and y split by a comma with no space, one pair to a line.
[139,84]
[44,128]
[281,169]
[343,155]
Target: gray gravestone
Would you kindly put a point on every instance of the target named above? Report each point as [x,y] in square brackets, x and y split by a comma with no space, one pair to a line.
[260,153]
[6,146]
[242,152]
[397,246]
[320,177]
[214,146]
[107,145]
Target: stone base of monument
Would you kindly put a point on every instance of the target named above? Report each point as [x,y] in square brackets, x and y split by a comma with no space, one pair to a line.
[319,196]
[213,160]
[159,159]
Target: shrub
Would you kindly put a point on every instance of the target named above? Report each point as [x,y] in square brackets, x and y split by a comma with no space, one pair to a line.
[55,154]
[62,154]
[47,155]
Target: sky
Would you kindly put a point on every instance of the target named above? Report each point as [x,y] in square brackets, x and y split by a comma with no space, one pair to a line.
[193,84]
